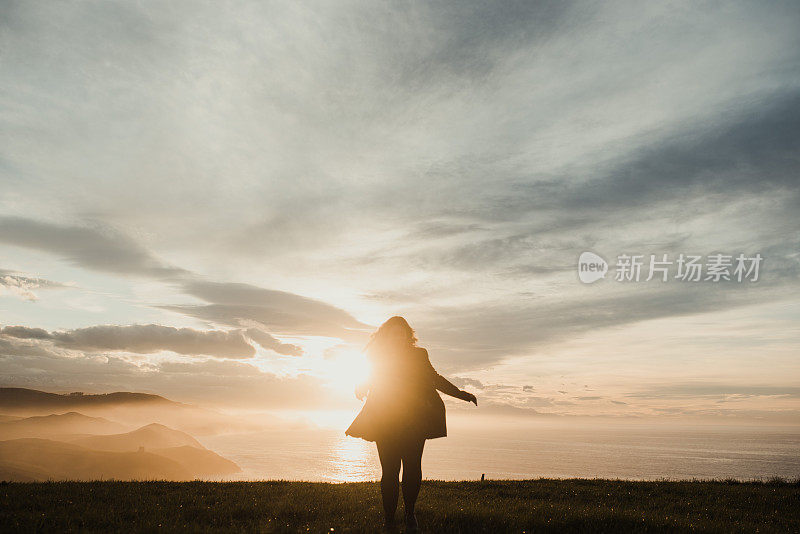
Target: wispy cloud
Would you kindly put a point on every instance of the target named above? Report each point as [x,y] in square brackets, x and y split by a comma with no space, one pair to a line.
[281,311]
[99,248]
[143,339]
[24,286]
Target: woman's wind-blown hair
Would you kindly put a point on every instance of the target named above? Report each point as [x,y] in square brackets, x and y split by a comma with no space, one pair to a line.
[381,342]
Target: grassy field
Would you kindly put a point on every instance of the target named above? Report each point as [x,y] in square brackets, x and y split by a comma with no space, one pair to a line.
[491,506]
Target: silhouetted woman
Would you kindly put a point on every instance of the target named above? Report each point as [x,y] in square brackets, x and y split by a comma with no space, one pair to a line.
[402,410]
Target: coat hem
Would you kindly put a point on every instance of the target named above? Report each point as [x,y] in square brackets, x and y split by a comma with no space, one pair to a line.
[373,440]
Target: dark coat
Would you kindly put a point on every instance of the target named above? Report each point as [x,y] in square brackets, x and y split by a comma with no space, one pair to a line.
[402,401]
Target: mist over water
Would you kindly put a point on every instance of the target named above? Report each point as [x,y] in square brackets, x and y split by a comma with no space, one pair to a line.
[525,449]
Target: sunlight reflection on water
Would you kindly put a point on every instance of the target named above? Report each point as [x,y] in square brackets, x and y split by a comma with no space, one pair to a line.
[352,461]
[298,454]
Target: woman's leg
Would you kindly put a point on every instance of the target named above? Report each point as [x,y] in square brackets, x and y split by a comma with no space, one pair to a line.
[412,474]
[389,456]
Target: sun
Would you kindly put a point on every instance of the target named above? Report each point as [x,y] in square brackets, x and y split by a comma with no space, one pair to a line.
[346,369]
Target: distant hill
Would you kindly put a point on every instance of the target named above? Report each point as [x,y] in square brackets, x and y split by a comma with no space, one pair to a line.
[134,409]
[42,459]
[200,462]
[5,418]
[31,459]
[153,451]
[152,436]
[22,398]
[57,425]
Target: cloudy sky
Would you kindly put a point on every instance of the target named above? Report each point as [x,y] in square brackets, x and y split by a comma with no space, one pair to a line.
[219,203]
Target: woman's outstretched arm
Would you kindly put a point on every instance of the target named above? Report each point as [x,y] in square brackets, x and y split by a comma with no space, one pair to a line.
[447,387]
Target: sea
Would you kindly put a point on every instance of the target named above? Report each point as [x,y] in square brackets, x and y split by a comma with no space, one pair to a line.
[526,449]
